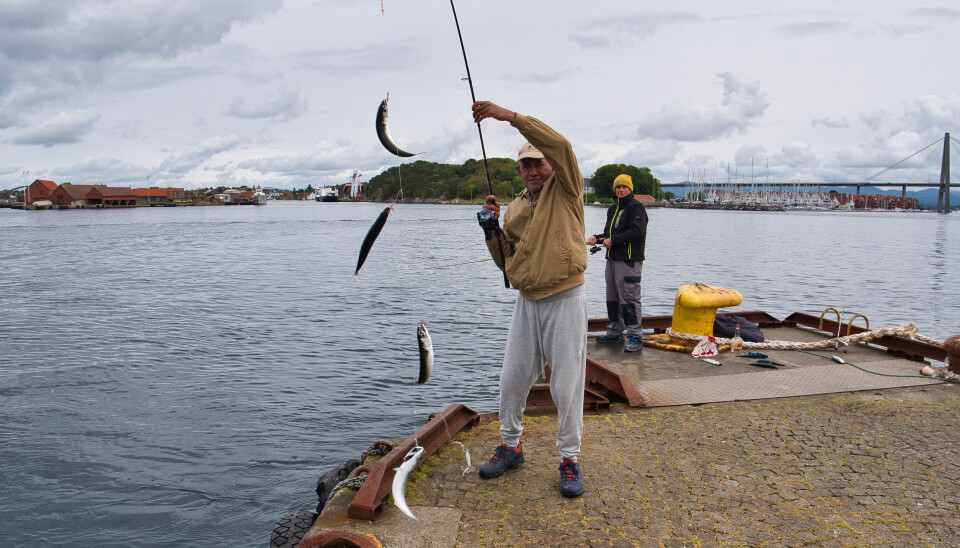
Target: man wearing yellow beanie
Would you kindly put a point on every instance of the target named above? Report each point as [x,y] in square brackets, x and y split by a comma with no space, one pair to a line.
[624,236]
[623,180]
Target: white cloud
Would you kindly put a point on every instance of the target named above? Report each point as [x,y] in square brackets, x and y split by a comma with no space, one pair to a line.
[939,14]
[743,104]
[932,113]
[873,120]
[816,28]
[99,29]
[620,30]
[830,123]
[286,106]
[63,128]
[797,155]
[198,155]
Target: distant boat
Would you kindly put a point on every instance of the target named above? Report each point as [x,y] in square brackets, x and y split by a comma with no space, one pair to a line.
[328,195]
[258,198]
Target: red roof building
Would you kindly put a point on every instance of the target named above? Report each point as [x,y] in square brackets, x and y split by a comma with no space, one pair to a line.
[70,195]
[155,194]
[111,196]
[40,189]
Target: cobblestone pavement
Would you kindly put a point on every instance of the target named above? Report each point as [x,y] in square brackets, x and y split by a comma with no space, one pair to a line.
[874,468]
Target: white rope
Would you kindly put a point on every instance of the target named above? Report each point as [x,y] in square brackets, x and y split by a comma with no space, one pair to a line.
[906,331]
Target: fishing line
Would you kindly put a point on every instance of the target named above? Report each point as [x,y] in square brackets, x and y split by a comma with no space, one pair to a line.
[483,149]
[400,178]
[472,96]
[911,376]
[399,172]
[466,452]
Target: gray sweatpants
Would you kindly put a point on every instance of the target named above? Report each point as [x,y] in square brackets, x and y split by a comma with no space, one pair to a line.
[623,298]
[551,330]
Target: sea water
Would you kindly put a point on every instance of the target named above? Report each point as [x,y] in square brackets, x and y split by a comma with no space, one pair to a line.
[182,376]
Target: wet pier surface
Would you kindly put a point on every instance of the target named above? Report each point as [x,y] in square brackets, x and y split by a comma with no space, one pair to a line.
[843,461]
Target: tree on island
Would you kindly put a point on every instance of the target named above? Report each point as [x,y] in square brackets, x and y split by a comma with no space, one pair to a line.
[430,181]
[433,182]
[643,180]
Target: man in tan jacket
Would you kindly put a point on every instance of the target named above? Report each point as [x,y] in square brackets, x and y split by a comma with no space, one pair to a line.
[544,257]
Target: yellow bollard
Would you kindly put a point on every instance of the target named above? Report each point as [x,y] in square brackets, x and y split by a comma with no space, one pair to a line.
[695,307]
[694,311]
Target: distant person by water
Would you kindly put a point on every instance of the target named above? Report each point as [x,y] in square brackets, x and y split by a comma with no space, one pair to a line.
[624,237]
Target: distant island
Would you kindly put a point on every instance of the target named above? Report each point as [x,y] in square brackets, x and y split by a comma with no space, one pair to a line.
[419,181]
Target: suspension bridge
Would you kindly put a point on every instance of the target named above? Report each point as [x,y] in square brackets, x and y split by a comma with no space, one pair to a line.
[736,189]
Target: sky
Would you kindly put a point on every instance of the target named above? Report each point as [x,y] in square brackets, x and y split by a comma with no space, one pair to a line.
[284,93]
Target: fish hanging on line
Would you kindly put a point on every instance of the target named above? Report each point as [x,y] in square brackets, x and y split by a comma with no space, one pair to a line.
[426,352]
[400,479]
[466,454]
[372,236]
[384,135]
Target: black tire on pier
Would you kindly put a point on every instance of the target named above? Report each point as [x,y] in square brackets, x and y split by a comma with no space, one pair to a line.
[288,531]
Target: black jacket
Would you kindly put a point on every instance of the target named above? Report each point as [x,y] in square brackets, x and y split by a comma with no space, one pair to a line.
[627,227]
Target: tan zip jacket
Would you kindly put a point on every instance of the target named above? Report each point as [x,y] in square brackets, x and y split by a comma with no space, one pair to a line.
[548,254]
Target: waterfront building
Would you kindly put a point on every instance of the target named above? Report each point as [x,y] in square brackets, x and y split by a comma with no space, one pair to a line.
[39,189]
[156,194]
[70,195]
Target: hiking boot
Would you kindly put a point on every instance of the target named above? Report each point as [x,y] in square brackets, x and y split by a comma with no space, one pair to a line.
[634,344]
[605,338]
[503,459]
[571,481]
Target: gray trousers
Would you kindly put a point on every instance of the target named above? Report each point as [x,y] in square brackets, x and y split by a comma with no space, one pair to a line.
[623,298]
[551,330]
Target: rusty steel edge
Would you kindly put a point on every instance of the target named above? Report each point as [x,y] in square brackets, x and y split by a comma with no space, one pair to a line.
[368,503]
[907,348]
[660,323]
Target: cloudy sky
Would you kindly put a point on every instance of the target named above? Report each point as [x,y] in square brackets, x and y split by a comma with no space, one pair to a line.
[284,93]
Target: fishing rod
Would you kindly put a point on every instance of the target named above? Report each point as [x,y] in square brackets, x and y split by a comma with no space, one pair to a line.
[483,149]
[472,96]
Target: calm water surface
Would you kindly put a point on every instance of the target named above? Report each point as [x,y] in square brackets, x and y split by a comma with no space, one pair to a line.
[182,376]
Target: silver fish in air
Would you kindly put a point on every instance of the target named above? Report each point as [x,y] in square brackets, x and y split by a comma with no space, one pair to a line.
[426,353]
[384,135]
[372,237]
[400,479]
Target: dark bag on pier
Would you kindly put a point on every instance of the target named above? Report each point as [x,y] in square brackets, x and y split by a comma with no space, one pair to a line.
[724,326]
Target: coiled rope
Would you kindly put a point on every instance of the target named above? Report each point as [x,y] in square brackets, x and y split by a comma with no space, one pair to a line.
[379,447]
[908,330]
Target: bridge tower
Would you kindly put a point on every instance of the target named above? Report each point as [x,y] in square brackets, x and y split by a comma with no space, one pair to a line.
[943,197]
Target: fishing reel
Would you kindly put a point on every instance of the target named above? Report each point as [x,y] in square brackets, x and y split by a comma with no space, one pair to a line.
[488,222]
[595,248]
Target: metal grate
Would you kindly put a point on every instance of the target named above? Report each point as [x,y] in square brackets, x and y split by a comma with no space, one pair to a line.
[780,383]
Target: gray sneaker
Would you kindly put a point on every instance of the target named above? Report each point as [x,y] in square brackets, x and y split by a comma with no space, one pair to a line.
[610,340]
[503,458]
[571,480]
[634,344]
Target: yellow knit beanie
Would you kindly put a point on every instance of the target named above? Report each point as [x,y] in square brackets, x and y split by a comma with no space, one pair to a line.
[625,180]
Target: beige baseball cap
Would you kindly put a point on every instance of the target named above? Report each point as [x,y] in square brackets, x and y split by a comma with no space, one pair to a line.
[528,151]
